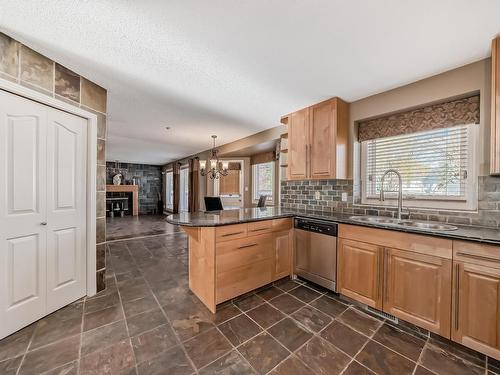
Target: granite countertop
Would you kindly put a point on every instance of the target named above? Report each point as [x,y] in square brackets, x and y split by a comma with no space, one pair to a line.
[245,215]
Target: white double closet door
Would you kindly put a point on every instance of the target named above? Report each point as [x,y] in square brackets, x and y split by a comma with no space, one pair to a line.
[42,210]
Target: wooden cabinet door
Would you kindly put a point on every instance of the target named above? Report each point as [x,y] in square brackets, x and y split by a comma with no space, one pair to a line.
[298,145]
[322,151]
[282,254]
[360,272]
[476,307]
[417,288]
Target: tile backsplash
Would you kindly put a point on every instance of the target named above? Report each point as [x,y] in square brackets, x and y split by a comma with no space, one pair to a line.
[301,195]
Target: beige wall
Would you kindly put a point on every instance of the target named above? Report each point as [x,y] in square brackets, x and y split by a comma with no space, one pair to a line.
[470,78]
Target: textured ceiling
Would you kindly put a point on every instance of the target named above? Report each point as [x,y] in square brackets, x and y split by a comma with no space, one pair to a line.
[232,68]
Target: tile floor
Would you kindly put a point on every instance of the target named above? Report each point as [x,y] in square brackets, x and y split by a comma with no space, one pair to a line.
[119,228]
[148,322]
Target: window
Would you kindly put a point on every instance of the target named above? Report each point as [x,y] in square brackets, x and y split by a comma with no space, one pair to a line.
[184,189]
[263,181]
[169,190]
[436,167]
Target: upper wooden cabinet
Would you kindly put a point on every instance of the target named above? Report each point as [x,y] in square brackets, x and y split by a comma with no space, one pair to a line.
[318,141]
[495,107]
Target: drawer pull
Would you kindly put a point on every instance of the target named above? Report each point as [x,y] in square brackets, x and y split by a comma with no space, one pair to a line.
[245,246]
[231,234]
[480,257]
[258,229]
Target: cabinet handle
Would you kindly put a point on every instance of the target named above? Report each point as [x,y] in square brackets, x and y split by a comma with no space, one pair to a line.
[258,229]
[386,271]
[379,288]
[457,294]
[480,257]
[231,234]
[245,246]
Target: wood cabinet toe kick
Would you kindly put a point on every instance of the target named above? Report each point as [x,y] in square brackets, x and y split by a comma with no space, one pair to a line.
[228,261]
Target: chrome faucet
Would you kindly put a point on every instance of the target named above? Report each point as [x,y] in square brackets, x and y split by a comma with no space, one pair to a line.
[400,190]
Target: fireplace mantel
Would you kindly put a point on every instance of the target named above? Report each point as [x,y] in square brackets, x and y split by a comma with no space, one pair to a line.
[134,189]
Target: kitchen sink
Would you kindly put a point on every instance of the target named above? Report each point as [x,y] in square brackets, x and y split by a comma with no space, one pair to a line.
[423,225]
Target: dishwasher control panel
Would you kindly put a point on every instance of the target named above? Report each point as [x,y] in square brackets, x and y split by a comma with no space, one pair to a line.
[316,226]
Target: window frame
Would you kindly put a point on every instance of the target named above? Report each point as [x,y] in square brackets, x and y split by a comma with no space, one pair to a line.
[270,199]
[445,203]
[184,169]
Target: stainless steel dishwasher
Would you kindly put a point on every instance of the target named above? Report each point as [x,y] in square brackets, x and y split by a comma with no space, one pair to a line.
[315,251]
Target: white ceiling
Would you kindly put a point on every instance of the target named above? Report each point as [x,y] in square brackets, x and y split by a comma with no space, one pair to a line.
[232,68]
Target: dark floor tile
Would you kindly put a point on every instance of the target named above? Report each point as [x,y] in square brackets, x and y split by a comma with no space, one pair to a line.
[67,369]
[151,343]
[172,296]
[291,366]
[360,321]
[444,363]
[225,312]
[329,306]
[286,303]
[305,294]
[422,371]
[355,368]
[96,304]
[344,338]
[60,353]
[140,305]
[265,315]
[189,317]
[140,323]
[322,357]
[207,347]
[62,324]
[239,329]
[313,319]
[290,334]
[458,350]
[263,352]
[102,317]
[17,343]
[269,293]
[384,361]
[100,338]
[231,364]
[135,292]
[10,366]
[248,302]
[286,284]
[112,360]
[172,362]
[494,365]
[399,341]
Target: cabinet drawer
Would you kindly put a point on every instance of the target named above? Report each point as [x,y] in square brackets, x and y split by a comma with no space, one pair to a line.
[242,252]
[259,227]
[476,253]
[230,232]
[243,279]
[282,224]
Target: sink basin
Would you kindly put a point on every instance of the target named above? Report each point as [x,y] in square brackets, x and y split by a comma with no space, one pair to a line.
[424,225]
[375,219]
[428,225]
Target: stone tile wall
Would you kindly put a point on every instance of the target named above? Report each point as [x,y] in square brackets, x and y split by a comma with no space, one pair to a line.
[28,68]
[301,195]
[149,179]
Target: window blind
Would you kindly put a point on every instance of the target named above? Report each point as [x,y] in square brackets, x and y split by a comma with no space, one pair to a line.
[432,164]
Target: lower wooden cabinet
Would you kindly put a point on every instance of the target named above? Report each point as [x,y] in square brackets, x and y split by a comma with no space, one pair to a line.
[476,298]
[282,255]
[413,286]
[417,288]
[360,271]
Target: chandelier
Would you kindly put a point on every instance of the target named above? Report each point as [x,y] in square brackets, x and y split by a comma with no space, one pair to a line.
[217,168]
